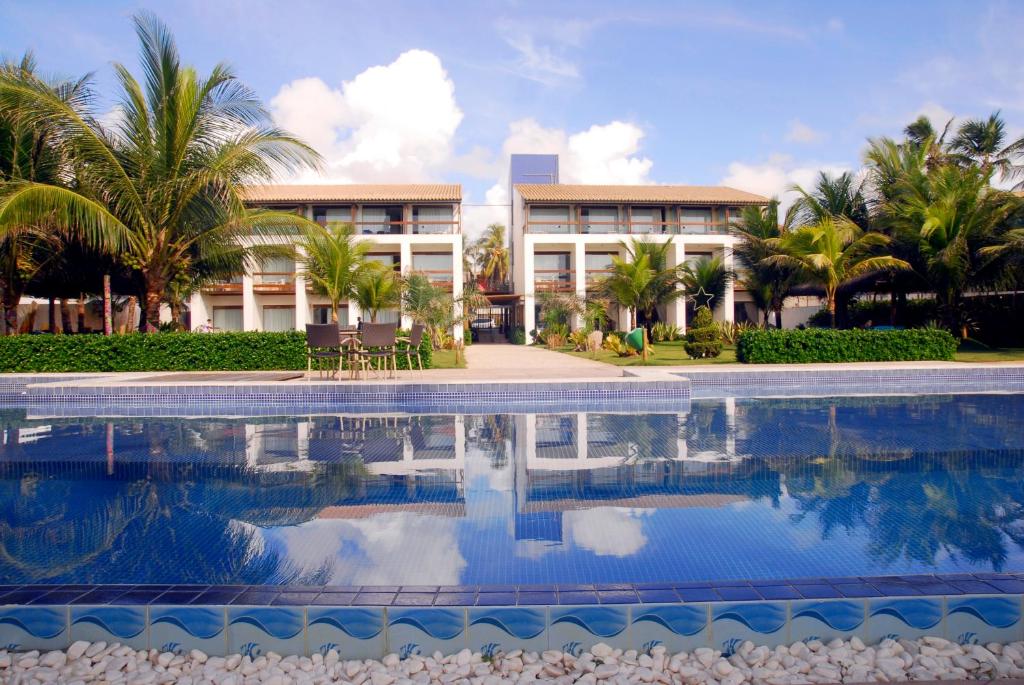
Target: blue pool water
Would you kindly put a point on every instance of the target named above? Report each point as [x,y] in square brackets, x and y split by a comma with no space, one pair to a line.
[730,489]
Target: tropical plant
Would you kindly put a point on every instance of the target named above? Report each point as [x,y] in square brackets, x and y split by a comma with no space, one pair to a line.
[665,332]
[642,281]
[831,197]
[162,184]
[491,253]
[333,261]
[833,253]
[703,339]
[982,142]
[768,284]
[707,277]
[379,289]
[616,345]
[579,340]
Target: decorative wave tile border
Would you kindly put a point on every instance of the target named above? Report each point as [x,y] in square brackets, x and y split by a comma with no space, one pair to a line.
[367,632]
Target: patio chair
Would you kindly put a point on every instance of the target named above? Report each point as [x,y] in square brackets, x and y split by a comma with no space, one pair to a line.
[411,345]
[378,342]
[322,343]
[349,337]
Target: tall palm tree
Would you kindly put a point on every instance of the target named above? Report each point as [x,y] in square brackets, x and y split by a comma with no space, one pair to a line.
[769,282]
[833,253]
[380,288]
[29,153]
[333,261]
[709,276]
[162,186]
[831,197]
[983,142]
[492,253]
[628,284]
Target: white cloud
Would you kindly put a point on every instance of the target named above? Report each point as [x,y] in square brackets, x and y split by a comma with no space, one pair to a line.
[542,47]
[392,123]
[799,132]
[607,531]
[835,25]
[774,177]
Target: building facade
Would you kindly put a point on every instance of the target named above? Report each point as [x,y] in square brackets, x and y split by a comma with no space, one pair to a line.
[412,228]
[564,237]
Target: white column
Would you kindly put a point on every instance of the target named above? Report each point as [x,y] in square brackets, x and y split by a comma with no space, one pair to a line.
[457,278]
[301,298]
[580,274]
[676,311]
[198,310]
[529,300]
[729,306]
[581,436]
[624,314]
[405,264]
[354,312]
[250,316]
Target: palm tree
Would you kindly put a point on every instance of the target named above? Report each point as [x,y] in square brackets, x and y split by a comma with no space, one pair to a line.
[707,275]
[29,153]
[333,261]
[492,254]
[628,284]
[380,288]
[832,197]
[162,185]
[981,142]
[428,305]
[770,283]
[833,253]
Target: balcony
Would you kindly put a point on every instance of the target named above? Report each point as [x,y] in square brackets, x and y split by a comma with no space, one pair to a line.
[231,286]
[439,278]
[406,227]
[553,281]
[595,276]
[274,283]
[629,227]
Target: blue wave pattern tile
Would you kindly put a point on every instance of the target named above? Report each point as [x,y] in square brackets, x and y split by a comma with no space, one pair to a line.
[124,624]
[356,633]
[575,629]
[254,631]
[678,627]
[36,627]
[759,622]
[180,629]
[826,619]
[498,629]
[424,631]
[981,619]
[909,618]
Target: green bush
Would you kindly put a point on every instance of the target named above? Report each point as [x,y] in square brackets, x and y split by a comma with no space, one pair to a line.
[250,351]
[826,345]
[703,339]
[518,336]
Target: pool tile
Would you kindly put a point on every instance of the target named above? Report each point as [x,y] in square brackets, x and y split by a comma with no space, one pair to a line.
[294,598]
[537,598]
[180,629]
[1011,585]
[574,629]
[697,594]
[678,627]
[57,597]
[426,630]
[254,631]
[124,624]
[494,599]
[254,598]
[36,627]
[216,596]
[909,618]
[981,619]
[569,598]
[817,591]
[737,593]
[413,599]
[503,629]
[373,599]
[973,587]
[858,590]
[658,596]
[98,596]
[763,623]
[617,596]
[357,633]
[176,597]
[894,589]
[826,619]
[455,599]
[778,592]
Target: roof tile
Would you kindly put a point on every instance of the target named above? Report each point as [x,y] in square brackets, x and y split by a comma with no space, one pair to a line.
[392,192]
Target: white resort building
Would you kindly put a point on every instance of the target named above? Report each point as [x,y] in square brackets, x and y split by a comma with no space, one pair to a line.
[413,228]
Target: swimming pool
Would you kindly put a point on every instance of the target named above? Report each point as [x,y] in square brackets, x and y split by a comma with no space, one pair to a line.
[751,489]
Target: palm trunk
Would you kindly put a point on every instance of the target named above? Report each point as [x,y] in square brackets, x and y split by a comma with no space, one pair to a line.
[52,315]
[177,313]
[81,312]
[65,315]
[832,309]
[778,316]
[152,310]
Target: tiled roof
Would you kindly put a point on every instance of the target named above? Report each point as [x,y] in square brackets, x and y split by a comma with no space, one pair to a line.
[376,192]
[684,195]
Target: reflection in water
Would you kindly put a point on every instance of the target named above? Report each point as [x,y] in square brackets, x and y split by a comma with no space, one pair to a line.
[731,489]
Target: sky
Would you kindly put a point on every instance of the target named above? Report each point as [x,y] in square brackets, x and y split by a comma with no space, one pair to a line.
[756,95]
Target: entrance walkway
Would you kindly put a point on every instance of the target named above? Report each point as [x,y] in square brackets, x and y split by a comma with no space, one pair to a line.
[520,362]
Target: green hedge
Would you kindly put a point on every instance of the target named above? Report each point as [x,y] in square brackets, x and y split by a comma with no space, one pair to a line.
[826,345]
[253,351]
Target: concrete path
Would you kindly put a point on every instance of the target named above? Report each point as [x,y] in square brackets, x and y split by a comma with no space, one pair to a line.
[522,362]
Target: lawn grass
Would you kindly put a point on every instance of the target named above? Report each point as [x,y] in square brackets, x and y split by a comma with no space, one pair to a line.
[665,354]
[445,359]
[971,351]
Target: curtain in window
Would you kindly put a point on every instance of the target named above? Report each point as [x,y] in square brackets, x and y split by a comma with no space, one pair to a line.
[444,214]
[279,318]
[695,220]
[600,219]
[278,270]
[227,318]
[375,220]
[549,220]
[386,316]
[647,220]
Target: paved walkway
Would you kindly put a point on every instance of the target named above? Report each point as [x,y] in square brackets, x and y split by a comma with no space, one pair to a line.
[514,362]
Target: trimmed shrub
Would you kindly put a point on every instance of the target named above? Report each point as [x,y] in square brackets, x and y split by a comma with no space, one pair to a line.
[249,351]
[827,345]
[703,338]
[518,336]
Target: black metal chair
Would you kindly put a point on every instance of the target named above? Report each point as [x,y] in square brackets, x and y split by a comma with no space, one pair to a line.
[322,343]
[378,342]
[411,345]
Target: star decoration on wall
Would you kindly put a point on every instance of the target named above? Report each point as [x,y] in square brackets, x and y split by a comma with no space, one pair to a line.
[702,298]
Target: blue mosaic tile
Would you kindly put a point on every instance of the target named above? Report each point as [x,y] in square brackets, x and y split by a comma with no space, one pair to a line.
[674,626]
[577,628]
[759,622]
[778,592]
[826,619]
[500,629]
[858,590]
[904,618]
[254,631]
[180,629]
[455,599]
[427,630]
[737,593]
[978,620]
[357,633]
[123,624]
[36,627]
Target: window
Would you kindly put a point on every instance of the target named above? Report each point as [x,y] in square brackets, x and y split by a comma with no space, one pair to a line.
[436,266]
[377,220]
[695,220]
[322,314]
[277,270]
[278,318]
[551,271]
[436,219]
[549,220]
[693,257]
[599,219]
[387,316]
[388,260]
[332,216]
[648,220]
[599,261]
[227,318]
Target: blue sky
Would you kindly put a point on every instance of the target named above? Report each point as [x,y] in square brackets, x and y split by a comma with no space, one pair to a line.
[756,95]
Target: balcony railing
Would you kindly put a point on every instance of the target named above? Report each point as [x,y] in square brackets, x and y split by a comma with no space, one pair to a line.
[274,282]
[629,227]
[401,227]
[553,281]
[438,277]
[594,276]
[229,287]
